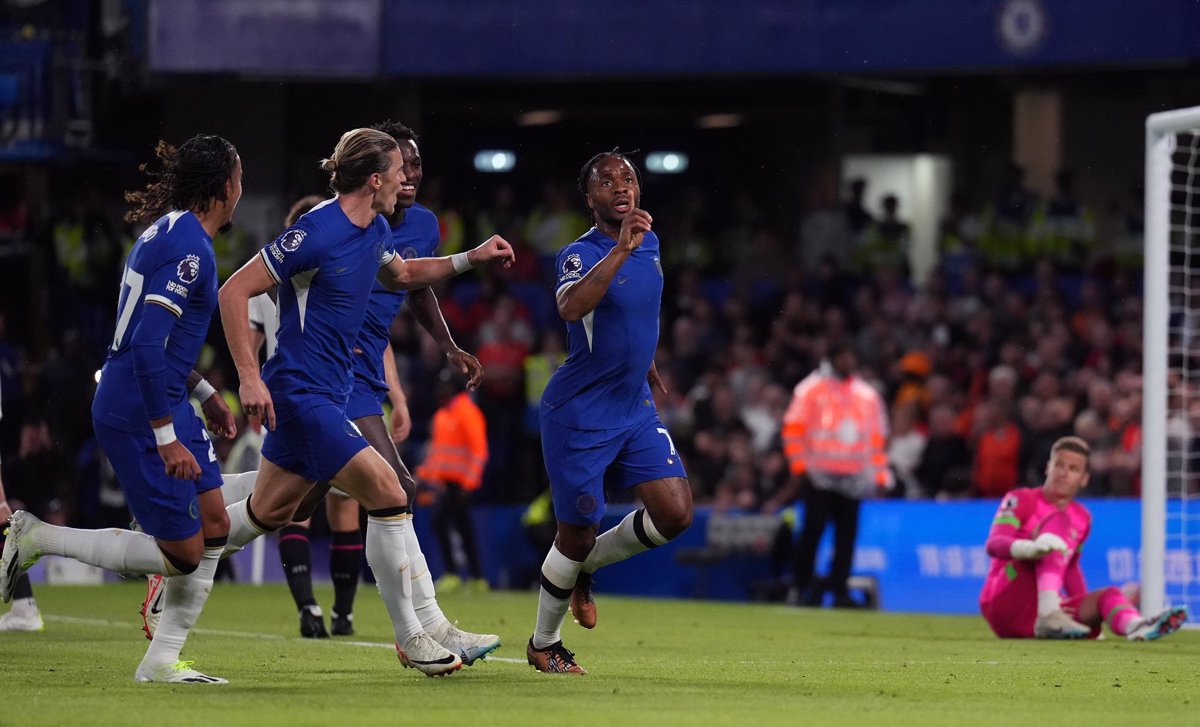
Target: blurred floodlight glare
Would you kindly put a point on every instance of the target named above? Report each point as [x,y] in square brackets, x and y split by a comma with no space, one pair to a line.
[543,117]
[719,121]
[666,162]
[494,161]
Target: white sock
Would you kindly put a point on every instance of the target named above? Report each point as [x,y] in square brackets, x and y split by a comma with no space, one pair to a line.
[622,541]
[123,551]
[559,573]
[24,605]
[391,566]
[424,596]
[182,602]
[235,488]
[242,529]
[1048,603]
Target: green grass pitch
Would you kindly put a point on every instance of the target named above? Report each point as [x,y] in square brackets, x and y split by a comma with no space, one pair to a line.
[652,662]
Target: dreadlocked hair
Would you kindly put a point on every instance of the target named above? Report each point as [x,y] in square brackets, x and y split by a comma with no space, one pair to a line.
[586,172]
[396,130]
[190,178]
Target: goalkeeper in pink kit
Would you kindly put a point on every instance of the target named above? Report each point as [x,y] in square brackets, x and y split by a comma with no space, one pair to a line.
[1035,587]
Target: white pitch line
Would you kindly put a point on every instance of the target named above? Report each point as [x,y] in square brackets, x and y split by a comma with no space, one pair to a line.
[801,663]
[251,635]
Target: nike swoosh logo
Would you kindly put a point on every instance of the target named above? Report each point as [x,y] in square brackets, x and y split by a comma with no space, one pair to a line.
[621,279]
[444,660]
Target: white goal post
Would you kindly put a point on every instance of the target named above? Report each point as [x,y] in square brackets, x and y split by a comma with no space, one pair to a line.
[1170,507]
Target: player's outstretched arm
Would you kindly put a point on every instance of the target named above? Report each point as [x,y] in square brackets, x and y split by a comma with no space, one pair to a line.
[423,303]
[251,280]
[400,274]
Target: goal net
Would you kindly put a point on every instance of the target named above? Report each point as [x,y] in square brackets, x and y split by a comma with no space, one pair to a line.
[1171,365]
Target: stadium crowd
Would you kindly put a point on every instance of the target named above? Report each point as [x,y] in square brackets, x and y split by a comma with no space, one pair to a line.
[1028,329]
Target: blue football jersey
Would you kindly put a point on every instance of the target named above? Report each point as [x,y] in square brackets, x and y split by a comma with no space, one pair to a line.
[325,266]
[171,266]
[603,383]
[416,236]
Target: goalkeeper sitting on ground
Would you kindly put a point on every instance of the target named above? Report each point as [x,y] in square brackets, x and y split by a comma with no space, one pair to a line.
[1034,543]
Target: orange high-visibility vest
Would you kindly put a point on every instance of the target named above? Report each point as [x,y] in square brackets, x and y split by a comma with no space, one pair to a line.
[458,450]
[836,427]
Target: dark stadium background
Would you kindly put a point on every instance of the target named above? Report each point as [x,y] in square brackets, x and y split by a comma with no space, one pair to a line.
[87,88]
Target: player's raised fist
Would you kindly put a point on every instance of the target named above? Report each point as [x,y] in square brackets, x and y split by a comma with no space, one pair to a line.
[494,248]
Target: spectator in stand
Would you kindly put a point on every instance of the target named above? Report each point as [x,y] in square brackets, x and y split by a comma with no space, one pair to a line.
[825,236]
[858,218]
[553,224]
[504,342]
[1007,234]
[1056,421]
[762,411]
[997,466]
[538,367]
[914,368]
[717,420]
[887,241]
[739,487]
[1126,424]
[905,448]
[1063,229]
[946,458]
[1100,395]
[1090,427]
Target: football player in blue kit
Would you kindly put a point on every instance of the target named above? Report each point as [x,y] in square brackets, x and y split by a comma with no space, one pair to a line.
[325,267]
[597,413]
[415,234]
[158,447]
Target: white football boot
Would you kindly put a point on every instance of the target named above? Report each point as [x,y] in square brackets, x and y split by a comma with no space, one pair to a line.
[1058,625]
[429,657]
[24,616]
[181,672]
[19,551]
[1156,627]
[470,647]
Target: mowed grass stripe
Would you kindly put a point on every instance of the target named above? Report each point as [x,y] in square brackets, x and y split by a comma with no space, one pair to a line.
[652,661]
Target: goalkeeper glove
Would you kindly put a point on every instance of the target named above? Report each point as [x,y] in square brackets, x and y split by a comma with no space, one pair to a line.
[1051,542]
[1026,550]
[1045,544]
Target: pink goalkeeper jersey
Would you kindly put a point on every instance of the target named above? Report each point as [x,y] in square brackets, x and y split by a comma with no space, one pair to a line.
[1023,515]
